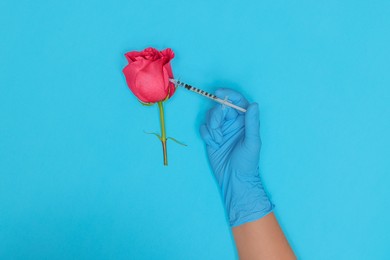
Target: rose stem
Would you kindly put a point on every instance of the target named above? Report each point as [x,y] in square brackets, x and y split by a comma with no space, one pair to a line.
[163,134]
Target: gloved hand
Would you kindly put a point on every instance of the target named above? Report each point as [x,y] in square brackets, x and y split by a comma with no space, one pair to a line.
[233,148]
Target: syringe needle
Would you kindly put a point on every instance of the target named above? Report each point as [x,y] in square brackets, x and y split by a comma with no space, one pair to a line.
[208,95]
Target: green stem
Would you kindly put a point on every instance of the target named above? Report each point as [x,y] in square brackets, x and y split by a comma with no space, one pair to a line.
[163,134]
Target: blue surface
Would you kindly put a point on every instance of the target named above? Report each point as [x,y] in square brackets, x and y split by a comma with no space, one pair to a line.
[80,180]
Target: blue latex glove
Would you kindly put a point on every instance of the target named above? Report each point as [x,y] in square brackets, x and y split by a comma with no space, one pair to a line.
[233,148]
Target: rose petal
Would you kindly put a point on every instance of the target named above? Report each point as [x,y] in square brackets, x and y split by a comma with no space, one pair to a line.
[168,53]
[166,82]
[151,54]
[131,71]
[132,55]
[169,75]
[168,67]
[150,82]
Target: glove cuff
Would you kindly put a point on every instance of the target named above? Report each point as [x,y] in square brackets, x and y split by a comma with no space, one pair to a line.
[245,198]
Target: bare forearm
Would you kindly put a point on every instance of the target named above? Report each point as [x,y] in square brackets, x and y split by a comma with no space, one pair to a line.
[262,239]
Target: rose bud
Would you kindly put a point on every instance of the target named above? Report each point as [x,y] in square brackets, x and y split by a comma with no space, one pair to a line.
[148,74]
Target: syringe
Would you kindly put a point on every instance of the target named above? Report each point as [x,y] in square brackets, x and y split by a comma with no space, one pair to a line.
[206,94]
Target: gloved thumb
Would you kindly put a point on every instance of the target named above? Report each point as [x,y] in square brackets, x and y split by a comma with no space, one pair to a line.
[252,126]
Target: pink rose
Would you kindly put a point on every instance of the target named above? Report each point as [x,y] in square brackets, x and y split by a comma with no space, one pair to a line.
[148,74]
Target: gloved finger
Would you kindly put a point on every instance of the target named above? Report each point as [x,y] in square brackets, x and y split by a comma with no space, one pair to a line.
[234,97]
[215,117]
[252,126]
[214,122]
[207,138]
[217,135]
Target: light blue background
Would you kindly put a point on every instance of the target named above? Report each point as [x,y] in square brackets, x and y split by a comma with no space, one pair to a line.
[80,180]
